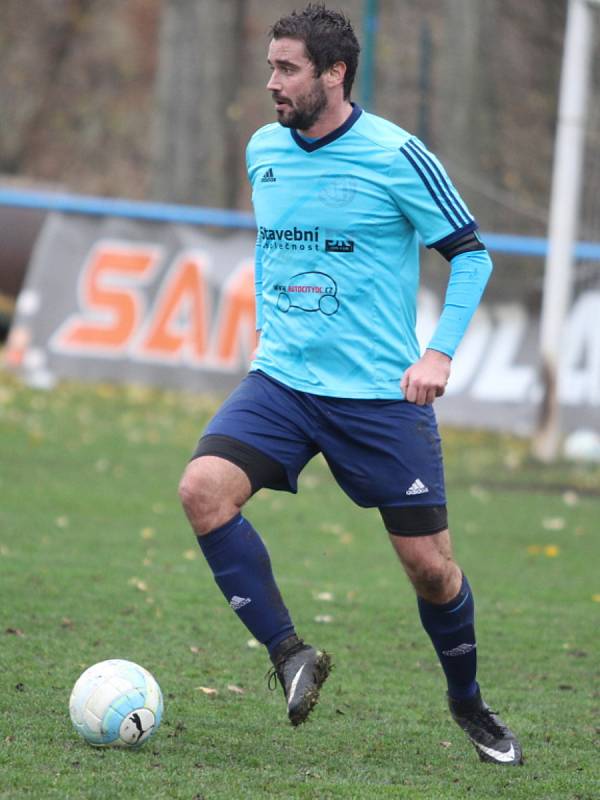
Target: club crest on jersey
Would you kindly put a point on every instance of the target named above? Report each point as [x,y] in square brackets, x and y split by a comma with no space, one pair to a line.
[338,192]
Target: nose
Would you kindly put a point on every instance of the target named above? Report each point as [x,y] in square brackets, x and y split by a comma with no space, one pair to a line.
[274,83]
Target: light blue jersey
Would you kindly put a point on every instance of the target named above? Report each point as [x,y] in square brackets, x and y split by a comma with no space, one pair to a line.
[337,255]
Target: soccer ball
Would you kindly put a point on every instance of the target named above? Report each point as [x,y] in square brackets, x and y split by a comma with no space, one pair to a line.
[116,703]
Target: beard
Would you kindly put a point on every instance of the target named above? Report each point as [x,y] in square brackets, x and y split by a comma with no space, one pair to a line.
[307,109]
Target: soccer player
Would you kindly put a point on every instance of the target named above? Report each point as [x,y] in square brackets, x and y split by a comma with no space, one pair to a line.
[342,199]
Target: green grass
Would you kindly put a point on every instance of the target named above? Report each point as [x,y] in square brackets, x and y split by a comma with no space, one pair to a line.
[96,561]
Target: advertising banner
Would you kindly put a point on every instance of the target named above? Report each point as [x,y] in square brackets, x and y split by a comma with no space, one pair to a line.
[169,305]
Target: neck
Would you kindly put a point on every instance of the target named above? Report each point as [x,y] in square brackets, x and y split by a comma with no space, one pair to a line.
[329,121]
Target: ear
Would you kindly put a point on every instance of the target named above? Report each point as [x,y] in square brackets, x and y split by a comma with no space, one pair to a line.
[335,75]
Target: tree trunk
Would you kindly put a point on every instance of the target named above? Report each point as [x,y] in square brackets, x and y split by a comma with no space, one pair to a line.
[200,66]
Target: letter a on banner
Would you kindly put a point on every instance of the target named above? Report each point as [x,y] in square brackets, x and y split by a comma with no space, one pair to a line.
[177,326]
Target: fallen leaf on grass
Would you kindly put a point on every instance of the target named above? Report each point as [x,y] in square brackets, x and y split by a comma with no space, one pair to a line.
[446,744]
[141,586]
[253,644]
[207,690]
[479,494]
[336,529]
[15,631]
[512,460]
[596,598]
[177,730]
[190,555]
[325,618]
[553,523]
[147,533]
[235,689]
[67,623]
[327,596]
[195,650]
[331,527]
[549,550]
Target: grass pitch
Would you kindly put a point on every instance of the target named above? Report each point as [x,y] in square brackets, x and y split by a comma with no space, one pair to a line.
[96,562]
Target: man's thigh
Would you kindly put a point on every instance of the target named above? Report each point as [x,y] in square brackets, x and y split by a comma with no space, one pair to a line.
[388,454]
[264,428]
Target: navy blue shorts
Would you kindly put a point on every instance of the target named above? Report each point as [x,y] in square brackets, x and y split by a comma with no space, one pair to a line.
[382,453]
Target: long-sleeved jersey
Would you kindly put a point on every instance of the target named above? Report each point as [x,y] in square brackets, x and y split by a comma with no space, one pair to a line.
[337,255]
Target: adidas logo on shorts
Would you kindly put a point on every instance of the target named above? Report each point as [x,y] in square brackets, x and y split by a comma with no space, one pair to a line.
[418,487]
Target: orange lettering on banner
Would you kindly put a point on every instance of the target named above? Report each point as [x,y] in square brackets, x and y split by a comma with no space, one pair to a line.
[111,313]
[178,323]
[235,334]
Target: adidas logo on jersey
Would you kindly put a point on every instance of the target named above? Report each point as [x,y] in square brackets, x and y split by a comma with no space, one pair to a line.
[239,602]
[418,487]
[268,177]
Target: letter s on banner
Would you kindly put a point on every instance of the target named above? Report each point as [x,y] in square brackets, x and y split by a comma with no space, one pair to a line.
[109,298]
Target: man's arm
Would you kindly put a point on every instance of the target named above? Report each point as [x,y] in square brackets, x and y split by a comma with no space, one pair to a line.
[258,290]
[426,379]
[258,294]
[427,197]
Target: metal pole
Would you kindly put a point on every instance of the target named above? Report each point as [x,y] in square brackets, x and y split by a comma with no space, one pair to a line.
[564,211]
[370,24]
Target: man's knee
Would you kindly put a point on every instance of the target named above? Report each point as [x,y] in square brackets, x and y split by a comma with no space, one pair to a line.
[198,498]
[431,580]
[212,491]
[429,565]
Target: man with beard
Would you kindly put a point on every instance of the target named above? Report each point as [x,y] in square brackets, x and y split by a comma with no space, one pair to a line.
[341,199]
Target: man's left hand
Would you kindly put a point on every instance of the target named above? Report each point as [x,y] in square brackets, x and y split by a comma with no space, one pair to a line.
[426,379]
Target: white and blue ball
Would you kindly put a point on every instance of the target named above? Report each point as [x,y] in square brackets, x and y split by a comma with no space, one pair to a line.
[116,703]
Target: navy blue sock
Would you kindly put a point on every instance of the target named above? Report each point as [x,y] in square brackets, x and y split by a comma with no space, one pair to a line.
[451,627]
[242,569]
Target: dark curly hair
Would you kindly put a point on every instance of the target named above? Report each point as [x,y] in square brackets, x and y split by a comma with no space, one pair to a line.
[328,37]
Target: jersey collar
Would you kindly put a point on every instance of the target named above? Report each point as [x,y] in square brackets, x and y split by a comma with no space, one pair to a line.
[330,137]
